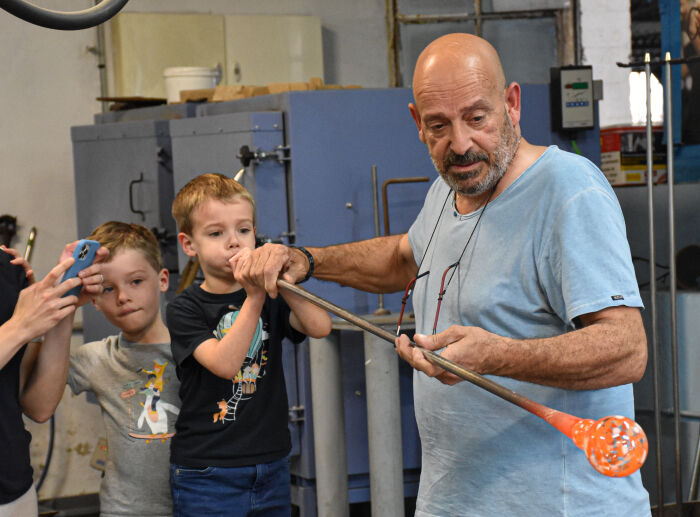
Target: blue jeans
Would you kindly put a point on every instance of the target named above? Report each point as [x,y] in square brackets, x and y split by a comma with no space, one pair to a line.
[257,490]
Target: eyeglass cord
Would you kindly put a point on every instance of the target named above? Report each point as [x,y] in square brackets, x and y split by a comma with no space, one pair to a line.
[443,287]
[409,287]
[453,267]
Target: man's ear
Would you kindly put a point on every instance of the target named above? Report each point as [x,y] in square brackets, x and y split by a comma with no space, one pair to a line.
[163,279]
[187,244]
[416,118]
[513,106]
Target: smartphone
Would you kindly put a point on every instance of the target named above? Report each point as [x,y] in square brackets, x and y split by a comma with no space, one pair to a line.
[84,255]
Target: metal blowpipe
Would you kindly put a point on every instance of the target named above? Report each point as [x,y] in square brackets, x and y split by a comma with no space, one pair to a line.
[615,446]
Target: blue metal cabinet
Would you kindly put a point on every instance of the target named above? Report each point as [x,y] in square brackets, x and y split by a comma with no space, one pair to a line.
[123,172]
[334,138]
[211,144]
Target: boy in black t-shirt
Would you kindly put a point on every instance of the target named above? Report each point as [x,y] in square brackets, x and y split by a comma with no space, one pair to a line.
[229,453]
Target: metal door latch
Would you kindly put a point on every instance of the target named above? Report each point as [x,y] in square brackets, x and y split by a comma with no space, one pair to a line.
[248,155]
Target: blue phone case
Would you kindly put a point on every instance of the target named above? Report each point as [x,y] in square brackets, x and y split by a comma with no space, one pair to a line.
[84,255]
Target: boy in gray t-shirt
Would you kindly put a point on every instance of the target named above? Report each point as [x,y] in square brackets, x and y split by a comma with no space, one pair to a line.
[132,374]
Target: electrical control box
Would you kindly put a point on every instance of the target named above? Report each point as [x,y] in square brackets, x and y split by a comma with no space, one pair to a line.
[572,98]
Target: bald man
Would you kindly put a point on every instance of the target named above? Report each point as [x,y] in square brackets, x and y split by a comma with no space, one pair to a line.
[527,245]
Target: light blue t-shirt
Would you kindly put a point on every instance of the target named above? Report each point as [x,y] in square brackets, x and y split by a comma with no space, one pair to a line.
[550,248]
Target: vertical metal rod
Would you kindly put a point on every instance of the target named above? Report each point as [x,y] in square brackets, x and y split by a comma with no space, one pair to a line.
[652,286]
[392,35]
[477,20]
[577,31]
[377,232]
[384,428]
[330,452]
[668,122]
[101,64]
[30,244]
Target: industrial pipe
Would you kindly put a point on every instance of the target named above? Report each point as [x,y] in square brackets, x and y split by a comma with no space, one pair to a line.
[385,196]
[381,310]
[59,20]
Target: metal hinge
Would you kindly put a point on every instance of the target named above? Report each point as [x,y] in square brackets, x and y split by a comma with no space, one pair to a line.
[296,414]
[248,155]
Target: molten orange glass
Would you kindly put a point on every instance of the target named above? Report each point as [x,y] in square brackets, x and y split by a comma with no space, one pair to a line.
[615,445]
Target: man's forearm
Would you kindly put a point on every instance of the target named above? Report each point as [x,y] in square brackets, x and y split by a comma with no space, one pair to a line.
[600,355]
[375,265]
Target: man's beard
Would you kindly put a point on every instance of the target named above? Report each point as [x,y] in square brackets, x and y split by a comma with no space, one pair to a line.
[502,158]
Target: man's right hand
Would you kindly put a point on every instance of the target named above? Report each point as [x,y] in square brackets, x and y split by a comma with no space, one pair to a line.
[272,261]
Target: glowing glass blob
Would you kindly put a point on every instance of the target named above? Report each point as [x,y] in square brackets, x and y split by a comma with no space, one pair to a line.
[616,446]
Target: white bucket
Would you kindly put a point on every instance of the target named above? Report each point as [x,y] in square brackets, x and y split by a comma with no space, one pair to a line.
[189,78]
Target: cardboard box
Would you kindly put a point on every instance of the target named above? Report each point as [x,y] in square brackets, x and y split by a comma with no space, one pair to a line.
[235,92]
[202,95]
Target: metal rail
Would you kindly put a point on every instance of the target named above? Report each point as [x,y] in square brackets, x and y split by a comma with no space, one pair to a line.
[652,286]
[394,20]
[668,122]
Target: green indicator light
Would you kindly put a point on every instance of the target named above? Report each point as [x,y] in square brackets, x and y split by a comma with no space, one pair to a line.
[577,86]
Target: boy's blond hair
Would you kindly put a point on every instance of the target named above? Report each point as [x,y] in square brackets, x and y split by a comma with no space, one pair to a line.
[203,188]
[117,236]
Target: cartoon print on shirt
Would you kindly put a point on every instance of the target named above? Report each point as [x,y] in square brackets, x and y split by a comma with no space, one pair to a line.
[253,368]
[154,410]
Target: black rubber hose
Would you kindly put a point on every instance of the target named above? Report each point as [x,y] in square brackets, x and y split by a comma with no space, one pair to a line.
[65,21]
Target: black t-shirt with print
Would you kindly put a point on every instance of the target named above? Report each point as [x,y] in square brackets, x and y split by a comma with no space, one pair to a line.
[229,422]
[15,468]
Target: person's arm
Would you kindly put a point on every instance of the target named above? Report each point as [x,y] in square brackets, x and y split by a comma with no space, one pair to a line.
[44,371]
[44,367]
[39,307]
[224,357]
[379,265]
[306,317]
[690,21]
[609,350]
[382,264]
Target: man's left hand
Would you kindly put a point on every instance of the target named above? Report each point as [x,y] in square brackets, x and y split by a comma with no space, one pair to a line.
[466,346]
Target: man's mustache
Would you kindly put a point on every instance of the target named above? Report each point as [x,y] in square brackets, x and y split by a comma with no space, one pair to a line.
[453,158]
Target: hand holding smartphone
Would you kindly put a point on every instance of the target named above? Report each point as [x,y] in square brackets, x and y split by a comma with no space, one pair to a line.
[84,255]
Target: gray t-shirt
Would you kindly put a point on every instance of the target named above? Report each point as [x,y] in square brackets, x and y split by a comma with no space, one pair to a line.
[550,248]
[137,389]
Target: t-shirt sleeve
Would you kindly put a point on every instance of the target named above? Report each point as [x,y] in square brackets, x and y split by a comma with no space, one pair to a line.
[585,265]
[82,363]
[188,328]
